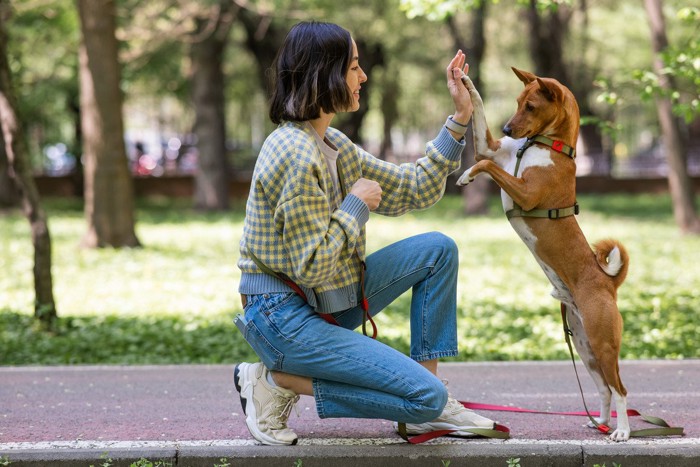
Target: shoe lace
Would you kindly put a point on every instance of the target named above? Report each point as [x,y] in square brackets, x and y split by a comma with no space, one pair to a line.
[283,408]
[453,406]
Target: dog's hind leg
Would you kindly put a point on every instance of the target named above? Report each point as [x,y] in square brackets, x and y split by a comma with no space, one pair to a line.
[603,367]
[585,352]
[622,430]
[609,363]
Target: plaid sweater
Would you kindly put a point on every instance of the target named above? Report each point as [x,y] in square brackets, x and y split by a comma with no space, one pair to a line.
[290,225]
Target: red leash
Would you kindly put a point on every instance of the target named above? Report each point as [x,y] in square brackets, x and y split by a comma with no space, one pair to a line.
[664,430]
[509,408]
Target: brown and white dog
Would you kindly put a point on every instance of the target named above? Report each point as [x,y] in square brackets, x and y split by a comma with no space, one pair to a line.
[538,190]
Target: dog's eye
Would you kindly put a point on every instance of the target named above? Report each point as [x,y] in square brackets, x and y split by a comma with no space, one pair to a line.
[529,107]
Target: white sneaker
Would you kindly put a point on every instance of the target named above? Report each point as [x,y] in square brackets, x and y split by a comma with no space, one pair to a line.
[453,417]
[267,408]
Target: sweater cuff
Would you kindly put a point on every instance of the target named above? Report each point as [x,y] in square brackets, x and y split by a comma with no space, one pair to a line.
[356,208]
[447,146]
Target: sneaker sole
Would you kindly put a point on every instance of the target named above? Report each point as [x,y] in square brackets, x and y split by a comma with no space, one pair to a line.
[410,430]
[246,392]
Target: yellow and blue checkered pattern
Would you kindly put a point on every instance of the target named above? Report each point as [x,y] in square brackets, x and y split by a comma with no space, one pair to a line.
[291,227]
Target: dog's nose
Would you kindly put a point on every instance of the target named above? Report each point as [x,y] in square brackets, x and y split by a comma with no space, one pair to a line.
[507,130]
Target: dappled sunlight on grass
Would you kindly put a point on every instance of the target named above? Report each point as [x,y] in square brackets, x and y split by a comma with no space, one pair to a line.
[173,300]
[187,267]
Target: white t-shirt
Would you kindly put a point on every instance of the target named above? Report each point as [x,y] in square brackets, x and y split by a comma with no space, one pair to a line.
[330,153]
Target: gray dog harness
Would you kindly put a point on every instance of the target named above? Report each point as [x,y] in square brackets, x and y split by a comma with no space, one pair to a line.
[556,213]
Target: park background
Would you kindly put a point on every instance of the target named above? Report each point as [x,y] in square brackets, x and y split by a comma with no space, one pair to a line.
[130,129]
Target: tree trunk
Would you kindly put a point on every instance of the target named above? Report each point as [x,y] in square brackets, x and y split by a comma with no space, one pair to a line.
[77,178]
[546,40]
[9,193]
[390,111]
[476,196]
[595,144]
[207,55]
[680,184]
[547,33]
[263,40]
[18,158]
[109,197]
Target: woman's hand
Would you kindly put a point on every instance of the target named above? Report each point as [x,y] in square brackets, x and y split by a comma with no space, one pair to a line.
[458,91]
[368,191]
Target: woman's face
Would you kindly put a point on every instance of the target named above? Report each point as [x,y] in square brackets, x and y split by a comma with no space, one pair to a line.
[355,78]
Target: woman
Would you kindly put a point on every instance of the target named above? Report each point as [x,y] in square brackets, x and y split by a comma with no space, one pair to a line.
[304,281]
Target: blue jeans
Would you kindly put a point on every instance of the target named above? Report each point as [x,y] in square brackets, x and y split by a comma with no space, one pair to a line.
[353,375]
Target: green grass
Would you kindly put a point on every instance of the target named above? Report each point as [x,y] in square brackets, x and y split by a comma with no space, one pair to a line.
[173,300]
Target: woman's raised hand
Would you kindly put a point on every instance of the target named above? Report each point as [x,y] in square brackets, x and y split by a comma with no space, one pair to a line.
[458,91]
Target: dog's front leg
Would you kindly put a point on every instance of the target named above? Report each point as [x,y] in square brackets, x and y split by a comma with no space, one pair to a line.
[485,145]
[527,192]
[470,174]
[466,178]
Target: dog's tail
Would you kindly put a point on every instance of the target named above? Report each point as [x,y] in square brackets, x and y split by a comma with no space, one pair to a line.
[613,259]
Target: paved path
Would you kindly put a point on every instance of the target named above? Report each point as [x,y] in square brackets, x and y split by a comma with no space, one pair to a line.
[190,415]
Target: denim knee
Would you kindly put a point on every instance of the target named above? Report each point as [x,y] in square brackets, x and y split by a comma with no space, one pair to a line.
[450,252]
[429,403]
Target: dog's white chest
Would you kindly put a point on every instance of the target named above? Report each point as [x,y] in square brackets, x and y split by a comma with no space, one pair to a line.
[534,156]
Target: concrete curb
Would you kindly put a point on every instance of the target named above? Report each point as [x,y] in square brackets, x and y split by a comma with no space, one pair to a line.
[367,453]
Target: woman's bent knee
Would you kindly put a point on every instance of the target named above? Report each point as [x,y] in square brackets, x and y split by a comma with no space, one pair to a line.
[442,240]
[446,245]
[428,405]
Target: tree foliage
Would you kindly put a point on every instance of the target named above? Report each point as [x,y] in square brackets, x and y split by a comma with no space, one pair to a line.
[682,62]
[607,43]
[44,61]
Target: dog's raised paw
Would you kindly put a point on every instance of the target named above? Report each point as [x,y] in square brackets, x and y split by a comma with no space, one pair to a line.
[465,179]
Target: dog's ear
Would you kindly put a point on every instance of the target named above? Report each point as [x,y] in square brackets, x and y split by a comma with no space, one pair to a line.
[524,76]
[550,91]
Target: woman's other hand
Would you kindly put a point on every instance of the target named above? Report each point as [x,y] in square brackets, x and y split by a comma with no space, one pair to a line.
[368,191]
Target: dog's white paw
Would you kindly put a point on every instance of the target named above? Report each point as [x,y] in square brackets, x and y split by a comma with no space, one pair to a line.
[620,435]
[465,179]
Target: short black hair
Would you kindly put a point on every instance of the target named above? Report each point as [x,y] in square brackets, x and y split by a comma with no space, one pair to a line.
[309,73]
